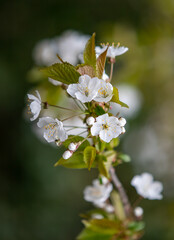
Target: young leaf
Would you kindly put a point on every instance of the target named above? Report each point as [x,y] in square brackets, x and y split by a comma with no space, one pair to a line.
[76,161]
[89,54]
[88,234]
[104,226]
[100,66]
[101,165]
[86,69]
[89,156]
[116,99]
[63,72]
[118,206]
[124,157]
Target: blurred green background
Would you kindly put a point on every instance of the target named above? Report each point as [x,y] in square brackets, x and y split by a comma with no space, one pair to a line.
[38,201]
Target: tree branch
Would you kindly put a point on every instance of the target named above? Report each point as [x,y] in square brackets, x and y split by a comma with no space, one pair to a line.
[123,195]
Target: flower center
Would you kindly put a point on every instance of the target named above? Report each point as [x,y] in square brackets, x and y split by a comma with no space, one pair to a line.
[105,126]
[103,92]
[86,92]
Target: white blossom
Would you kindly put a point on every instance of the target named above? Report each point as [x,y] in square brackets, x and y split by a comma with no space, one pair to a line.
[67,154]
[90,121]
[104,92]
[138,211]
[53,129]
[147,187]
[45,52]
[116,51]
[72,146]
[70,45]
[35,105]
[106,127]
[98,193]
[86,90]
[112,51]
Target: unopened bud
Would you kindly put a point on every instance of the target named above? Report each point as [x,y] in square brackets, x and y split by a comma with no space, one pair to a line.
[138,211]
[90,121]
[67,154]
[122,121]
[72,146]
[123,129]
[109,208]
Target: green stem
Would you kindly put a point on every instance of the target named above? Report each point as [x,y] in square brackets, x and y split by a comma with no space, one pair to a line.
[51,105]
[111,71]
[73,116]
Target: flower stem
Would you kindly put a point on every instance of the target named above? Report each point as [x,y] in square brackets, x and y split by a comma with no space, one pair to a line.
[111,71]
[75,126]
[123,195]
[73,116]
[68,109]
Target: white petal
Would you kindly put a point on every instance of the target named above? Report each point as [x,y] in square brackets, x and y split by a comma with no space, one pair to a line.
[72,89]
[44,121]
[95,129]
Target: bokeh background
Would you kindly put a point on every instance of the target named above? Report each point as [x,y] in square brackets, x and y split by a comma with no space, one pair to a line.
[39,201]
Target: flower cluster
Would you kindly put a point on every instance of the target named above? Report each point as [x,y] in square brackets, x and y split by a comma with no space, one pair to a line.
[89,87]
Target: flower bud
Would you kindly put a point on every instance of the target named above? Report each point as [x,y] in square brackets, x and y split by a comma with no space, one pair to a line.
[90,121]
[72,146]
[138,211]
[122,121]
[123,130]
[109,208]
[67,154]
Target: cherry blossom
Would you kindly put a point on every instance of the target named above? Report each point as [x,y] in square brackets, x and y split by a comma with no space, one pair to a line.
[106,127]
[147,187]
[53,129]
[98,193]
[35,105]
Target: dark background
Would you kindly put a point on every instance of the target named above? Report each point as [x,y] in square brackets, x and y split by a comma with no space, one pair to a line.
[38,201]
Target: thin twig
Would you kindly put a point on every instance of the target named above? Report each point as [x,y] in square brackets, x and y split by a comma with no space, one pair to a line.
[123,195]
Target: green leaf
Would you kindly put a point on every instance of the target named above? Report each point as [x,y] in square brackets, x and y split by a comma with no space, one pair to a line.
[76,139]
[76,161]
[111,157]
[86,69]
[100,66]
[101,159]
[124,157]
[89,54]
[63,72]
[118,206]
[105,226]
[89,156]
[136,226]
[88,234]
[99,110]
[116,99]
